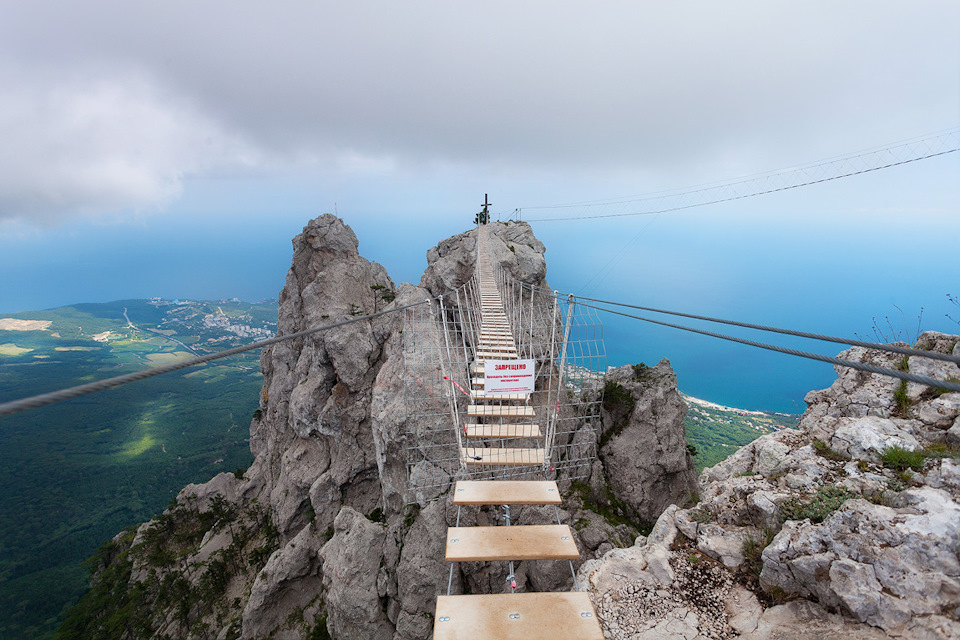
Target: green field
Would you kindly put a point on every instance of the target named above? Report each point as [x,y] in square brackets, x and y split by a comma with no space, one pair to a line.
[717,432]
[76,473]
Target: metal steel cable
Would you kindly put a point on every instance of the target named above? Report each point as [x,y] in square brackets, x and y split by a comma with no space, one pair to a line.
[884,158]
[903,375]
[43,399]
[946,137]
[802,334]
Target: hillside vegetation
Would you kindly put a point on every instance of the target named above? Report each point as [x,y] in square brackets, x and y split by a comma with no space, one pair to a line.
[716,431]
[75,473]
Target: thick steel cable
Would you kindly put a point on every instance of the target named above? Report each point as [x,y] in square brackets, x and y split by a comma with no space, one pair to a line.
[903,375]
[44,399]
[907,351]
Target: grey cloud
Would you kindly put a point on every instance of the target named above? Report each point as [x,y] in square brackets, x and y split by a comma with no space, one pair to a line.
[684,89]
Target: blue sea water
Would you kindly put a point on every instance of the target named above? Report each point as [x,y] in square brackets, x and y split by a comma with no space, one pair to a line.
[837,275]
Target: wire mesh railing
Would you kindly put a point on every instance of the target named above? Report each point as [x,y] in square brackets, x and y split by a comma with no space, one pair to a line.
[458,427]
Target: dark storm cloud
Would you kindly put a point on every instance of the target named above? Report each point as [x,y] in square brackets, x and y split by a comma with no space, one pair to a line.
[110,104]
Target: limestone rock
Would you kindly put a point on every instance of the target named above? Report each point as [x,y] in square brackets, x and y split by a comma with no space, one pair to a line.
[643,447]
[351,565]
[721,543]
[870,436]
[803,620]
[743,610]
[881,565]
[289,581]
[422,572]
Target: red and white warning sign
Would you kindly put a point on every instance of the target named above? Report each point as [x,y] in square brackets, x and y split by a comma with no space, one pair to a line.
[508,376]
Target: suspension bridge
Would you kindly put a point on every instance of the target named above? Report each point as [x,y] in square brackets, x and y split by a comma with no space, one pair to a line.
[508,364]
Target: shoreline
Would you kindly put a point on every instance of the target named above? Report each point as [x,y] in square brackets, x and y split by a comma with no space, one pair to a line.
[713,405]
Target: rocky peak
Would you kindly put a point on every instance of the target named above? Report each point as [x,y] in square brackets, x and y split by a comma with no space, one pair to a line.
[315,538]
[512,246]
[643,449]
[848,525]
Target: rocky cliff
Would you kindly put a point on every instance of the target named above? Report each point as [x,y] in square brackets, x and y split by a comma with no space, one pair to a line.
[317,538]
[848,527]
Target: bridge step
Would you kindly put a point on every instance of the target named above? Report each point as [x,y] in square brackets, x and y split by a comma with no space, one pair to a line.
[483,395]
[528,542]
[530,616]
[503,431]
[506,492]
[500,411]
[502,457]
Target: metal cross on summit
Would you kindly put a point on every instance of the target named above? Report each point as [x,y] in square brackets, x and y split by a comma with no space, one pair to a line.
[484,216]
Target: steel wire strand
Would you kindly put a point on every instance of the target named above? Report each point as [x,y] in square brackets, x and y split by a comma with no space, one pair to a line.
[903,375]
[52,397]
[808,178]
[933,355]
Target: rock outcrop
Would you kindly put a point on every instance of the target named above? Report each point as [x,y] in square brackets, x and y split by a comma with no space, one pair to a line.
[643,450]
[847,527]
[316,538]
[852,522]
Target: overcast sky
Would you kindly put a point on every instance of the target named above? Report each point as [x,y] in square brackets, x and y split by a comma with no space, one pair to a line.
[119,108]
[174,147]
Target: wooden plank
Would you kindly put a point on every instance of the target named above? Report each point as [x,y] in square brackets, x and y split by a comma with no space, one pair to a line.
[506,492]
[501,457]
[494,410]
[483,395]
[528,542]
[503,431]
[523,616]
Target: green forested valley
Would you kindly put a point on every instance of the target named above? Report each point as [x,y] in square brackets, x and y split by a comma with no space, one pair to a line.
[76,473]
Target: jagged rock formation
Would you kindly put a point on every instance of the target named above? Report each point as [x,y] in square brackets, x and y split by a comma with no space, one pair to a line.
[852,521]
[642,448]
[315,540]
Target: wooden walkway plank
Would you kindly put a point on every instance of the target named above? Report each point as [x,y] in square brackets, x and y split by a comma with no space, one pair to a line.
[483,395]
[527,542]
[500,411]
[506,492]
[518,616]
[503,431]
[501,457]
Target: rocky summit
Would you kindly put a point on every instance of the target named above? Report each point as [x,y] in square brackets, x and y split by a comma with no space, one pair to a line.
[847,527]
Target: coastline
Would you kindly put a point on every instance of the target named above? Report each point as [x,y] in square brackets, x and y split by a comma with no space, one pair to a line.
[719,407]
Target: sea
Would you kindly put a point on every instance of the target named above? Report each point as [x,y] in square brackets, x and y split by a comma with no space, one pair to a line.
[859,277]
